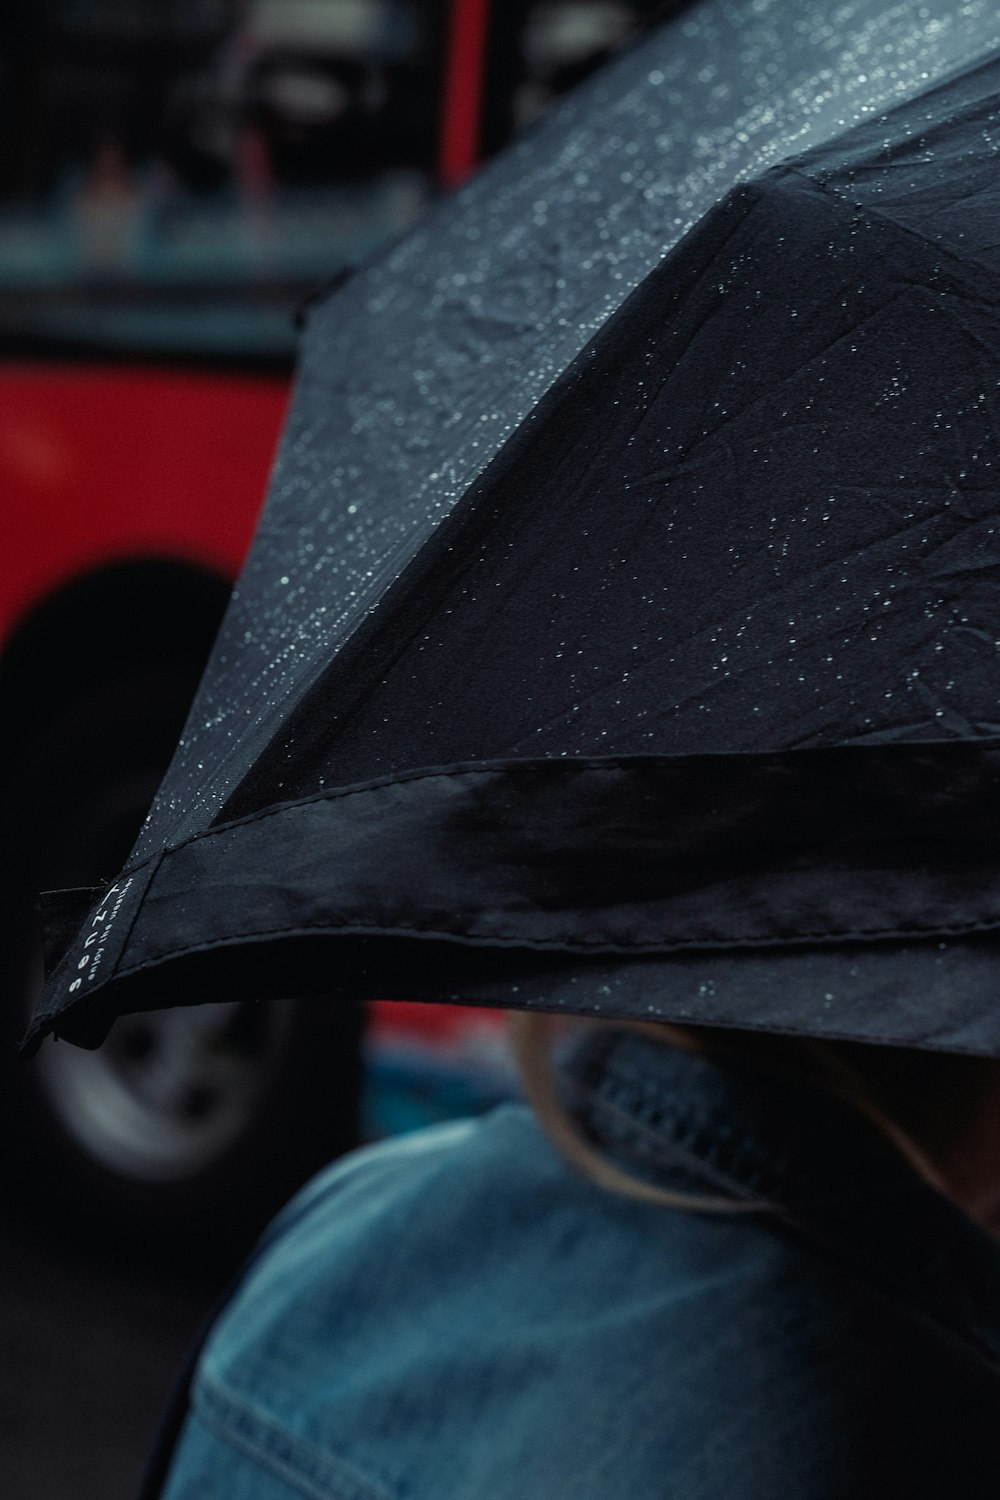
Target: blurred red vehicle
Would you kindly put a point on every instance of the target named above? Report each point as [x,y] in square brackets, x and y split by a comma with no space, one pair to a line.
[174,182]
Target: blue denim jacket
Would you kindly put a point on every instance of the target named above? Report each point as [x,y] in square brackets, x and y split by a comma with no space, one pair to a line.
[458,1315]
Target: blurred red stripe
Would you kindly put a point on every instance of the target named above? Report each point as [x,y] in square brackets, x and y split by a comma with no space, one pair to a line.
[463,89]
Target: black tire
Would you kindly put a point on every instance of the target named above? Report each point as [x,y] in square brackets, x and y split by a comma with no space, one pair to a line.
[189,1127]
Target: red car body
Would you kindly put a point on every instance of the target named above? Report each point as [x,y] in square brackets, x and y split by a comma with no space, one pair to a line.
[104,464]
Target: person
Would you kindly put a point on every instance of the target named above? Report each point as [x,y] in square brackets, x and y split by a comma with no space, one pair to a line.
[694,1263]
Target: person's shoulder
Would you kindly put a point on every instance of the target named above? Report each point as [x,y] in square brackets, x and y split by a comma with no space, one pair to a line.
[454,1247]
[448,1167]
[458,1312]
[424,1294]
[495,1190]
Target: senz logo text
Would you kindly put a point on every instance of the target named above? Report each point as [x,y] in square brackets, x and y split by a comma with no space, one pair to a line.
[96,940]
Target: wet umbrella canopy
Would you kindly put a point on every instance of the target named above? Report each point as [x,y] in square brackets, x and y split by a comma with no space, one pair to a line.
[621,633]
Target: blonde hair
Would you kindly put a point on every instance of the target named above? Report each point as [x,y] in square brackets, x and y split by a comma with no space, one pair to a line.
[799,1060]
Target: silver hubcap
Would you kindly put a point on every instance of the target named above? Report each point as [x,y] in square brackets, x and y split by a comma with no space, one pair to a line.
[169,1091]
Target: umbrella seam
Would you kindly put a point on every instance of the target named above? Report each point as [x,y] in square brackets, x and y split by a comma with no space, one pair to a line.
[545,765]
[567,945]
[96,999]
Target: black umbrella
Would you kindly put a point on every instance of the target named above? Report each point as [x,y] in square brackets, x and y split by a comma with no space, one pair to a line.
[621,632]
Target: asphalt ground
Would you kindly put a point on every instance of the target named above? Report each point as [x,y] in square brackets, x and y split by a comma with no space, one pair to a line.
[90,1349]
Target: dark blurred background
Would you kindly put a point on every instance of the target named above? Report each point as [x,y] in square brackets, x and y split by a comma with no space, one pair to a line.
[177,177]
[174,172]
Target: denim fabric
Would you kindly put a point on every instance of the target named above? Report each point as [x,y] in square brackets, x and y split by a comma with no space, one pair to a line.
[458,1315]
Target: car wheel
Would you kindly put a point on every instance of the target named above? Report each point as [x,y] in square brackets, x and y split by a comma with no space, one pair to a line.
[190,1126]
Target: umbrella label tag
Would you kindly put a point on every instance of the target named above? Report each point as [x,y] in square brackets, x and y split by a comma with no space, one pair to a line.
[99,933]
[93,957]
[99,945]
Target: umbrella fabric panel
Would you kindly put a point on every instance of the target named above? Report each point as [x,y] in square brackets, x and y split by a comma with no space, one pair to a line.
[934,173]
[760,513]
[416,374]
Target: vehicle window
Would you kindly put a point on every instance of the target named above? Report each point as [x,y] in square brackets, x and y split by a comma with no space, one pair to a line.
[175,175]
